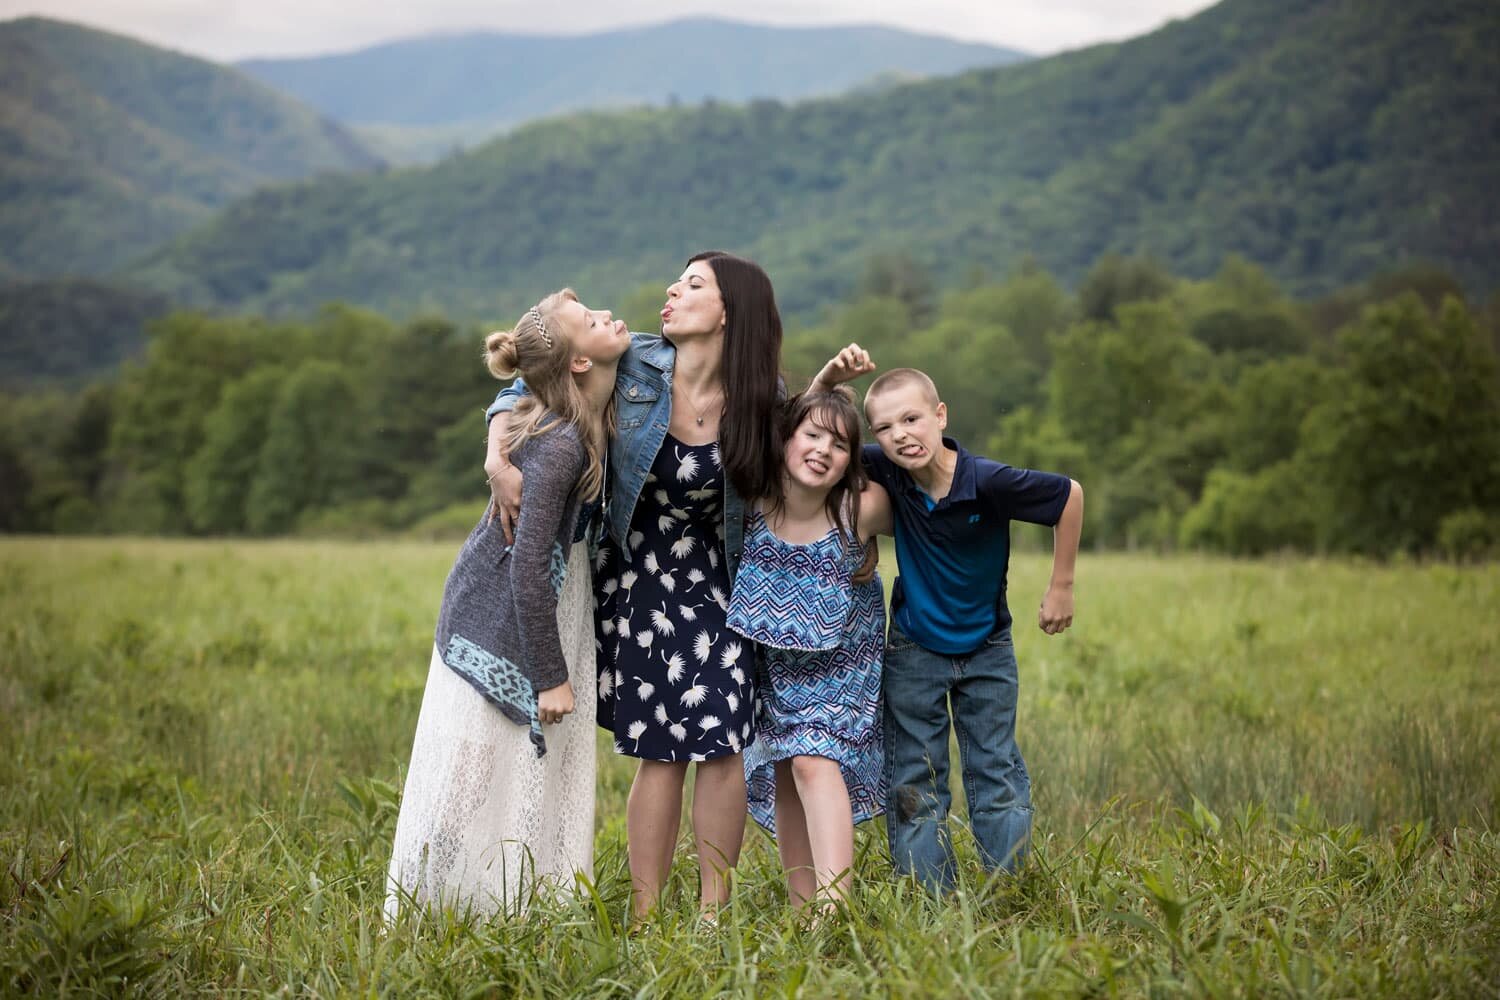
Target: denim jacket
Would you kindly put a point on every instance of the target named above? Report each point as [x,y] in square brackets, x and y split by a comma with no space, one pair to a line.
[643,408]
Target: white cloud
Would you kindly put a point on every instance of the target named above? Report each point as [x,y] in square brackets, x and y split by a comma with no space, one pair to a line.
[236,29]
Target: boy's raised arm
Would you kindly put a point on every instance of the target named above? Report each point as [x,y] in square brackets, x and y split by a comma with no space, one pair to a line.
[847,365]
[1056,613]
[875,517]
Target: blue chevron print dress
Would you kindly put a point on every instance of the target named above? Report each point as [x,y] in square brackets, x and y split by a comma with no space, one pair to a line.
[818,676]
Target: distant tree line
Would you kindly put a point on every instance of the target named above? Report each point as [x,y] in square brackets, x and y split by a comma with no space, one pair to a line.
[1216,414]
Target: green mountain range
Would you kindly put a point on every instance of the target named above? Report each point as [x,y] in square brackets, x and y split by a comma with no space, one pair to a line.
[424,95]
[1324,139]
[109,146]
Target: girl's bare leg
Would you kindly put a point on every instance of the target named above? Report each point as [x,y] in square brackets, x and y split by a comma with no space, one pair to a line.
[830,822]
[791,838]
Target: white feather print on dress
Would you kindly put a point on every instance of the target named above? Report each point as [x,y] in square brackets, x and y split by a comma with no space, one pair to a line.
[675,667]
[703,645]
[661,622]
[687,465]
[695,693]
[684,546]
[644,689]
[709,722]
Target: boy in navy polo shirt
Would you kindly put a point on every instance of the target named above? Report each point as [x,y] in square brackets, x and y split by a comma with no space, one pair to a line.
[949,648]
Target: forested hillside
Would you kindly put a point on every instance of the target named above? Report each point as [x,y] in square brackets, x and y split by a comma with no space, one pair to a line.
[68,329]
[423,92]
[1214,414]
[1181,269]
[109,146]
[1323,139]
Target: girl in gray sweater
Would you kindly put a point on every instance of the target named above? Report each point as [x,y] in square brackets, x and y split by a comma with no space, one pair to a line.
[499,796]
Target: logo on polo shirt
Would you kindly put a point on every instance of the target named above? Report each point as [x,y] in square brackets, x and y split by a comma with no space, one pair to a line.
[973,518]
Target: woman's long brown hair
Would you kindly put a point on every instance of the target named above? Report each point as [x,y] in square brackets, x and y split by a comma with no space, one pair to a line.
[748,446]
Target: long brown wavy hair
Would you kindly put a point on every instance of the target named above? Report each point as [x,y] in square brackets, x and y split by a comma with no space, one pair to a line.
[748,447]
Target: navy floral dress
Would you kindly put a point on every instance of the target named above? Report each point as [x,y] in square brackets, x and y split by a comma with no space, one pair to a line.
[675,684]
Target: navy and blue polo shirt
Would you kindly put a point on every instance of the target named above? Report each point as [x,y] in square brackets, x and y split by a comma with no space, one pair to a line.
[953,554]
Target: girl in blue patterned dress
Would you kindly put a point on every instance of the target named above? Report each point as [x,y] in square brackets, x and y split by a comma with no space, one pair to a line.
[807,592]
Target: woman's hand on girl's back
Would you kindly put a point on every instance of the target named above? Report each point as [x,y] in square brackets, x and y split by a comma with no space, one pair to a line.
[505,491]
[554,703]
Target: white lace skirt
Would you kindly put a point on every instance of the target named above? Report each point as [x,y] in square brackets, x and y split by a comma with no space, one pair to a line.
[484,821]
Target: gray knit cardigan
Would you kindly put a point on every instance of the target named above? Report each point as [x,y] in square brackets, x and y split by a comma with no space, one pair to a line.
[498,625]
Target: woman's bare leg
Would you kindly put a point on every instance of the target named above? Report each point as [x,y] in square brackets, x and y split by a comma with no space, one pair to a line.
[718,825]
[653,814]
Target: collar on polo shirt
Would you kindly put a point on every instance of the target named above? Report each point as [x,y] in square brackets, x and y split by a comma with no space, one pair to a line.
[962,488]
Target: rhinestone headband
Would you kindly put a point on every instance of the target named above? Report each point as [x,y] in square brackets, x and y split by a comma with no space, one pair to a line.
[541,326]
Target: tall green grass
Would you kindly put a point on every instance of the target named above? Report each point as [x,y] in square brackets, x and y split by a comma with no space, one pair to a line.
[1251,779]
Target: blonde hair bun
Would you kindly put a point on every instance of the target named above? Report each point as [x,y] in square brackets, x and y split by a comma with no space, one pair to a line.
[501,354]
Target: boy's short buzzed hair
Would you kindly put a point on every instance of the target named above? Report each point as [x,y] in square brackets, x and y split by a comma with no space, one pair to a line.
[896,378]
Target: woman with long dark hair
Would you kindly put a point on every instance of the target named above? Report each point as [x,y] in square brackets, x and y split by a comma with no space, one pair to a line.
[696,434]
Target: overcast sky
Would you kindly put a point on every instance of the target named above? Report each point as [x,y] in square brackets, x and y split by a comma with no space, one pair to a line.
[237,29]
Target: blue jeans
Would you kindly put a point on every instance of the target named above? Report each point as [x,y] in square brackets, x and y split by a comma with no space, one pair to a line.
[919,685]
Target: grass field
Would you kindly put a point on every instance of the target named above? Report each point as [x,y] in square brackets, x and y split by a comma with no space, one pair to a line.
[1251,779]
